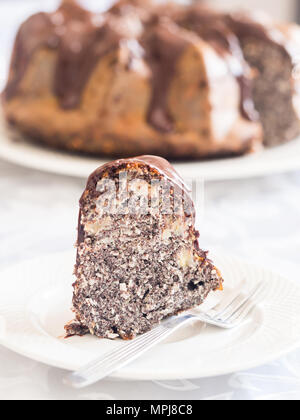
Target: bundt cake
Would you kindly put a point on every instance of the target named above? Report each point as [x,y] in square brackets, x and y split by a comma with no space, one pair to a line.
[138,259]
[178,81]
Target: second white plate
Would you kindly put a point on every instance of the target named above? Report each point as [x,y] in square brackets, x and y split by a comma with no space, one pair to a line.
[34,306]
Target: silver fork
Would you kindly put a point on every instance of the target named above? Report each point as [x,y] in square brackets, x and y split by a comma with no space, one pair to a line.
[228,316]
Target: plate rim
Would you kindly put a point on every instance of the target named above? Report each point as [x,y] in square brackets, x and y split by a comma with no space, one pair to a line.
[134,372]
[135,376]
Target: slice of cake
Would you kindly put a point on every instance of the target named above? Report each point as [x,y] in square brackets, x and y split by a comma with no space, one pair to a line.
[138,258]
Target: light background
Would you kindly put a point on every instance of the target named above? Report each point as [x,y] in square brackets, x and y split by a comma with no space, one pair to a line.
[279,9]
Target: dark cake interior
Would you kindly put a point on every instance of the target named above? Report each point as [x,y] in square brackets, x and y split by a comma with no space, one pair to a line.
[273,85]
[138,259]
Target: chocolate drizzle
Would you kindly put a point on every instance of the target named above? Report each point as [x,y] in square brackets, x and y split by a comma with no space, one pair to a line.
[163,48]
[82,38]
[213,28]
[79,52]
[35,32]
[162,166]
[245,26]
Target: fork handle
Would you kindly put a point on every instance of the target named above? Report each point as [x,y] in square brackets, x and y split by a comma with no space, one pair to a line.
[125,354]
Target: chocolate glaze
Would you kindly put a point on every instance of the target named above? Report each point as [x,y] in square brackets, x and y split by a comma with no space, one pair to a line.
[36,31]
[80,39]
[81,47]
[245,26]
[214,29]
[163,46]
[162,166]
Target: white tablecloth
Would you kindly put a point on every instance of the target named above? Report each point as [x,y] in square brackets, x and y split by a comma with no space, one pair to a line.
[257,219]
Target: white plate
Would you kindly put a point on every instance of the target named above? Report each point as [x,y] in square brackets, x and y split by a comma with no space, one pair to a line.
[34,306]
[280,159]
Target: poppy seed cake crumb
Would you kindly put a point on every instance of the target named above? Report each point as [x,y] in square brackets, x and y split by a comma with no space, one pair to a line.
[140,265]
